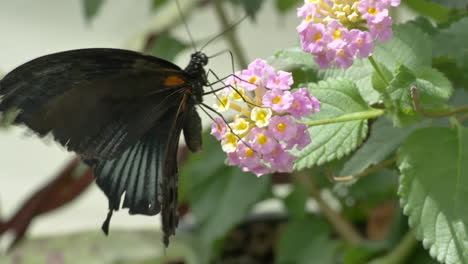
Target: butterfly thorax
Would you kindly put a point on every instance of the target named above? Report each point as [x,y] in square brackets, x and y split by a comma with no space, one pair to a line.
[196,71]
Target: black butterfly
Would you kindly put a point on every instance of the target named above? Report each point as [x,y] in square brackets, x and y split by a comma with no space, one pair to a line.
[122,112]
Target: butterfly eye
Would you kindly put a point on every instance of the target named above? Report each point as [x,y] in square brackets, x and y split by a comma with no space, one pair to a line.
[203,59]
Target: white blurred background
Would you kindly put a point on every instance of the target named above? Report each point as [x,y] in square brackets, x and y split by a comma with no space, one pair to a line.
[31,28]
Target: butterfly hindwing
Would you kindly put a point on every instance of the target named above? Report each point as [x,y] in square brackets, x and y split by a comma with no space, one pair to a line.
[139,171]
[96,102]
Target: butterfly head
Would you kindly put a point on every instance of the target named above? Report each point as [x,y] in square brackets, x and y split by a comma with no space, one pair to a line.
[196,64]
[200,58]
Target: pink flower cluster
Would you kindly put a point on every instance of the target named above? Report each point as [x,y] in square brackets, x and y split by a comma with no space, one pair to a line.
[332,30]
[265,128]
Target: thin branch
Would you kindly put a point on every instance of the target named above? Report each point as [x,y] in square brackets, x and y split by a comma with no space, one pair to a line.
[366,172]
[344,229]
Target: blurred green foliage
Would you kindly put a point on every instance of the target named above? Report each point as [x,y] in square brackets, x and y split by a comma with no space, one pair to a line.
[432,159]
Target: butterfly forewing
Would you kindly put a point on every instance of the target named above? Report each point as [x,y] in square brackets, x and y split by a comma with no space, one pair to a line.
[97,102]
[123,112]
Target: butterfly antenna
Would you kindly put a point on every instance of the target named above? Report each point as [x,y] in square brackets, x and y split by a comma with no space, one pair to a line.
[186,25]
[224,31]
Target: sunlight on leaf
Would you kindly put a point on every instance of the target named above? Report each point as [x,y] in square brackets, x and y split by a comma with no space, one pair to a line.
[433,190]
[383,140]
[333,141]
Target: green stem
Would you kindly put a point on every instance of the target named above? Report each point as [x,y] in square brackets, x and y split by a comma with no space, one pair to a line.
[416,105]
[378,71]
[373,113]
[230,34]
[401,252]
[367,171]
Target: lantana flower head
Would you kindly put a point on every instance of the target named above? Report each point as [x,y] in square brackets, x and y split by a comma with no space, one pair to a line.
[338,31]
[265,128]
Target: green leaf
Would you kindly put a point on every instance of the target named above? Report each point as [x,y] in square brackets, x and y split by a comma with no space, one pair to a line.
[374,189]
[158,3]
[434,89]
[452,3]
[304,240]
[295,202]
[166,47]
[428,9]
[302,75]
[251,7]
[383,140]
[425,25]
[360,254]
[300,63]
[434,168]
[91,8]
[421,256]
[285,5]
[451,43]
[220,195]
[361,72]
[295,56]
[410,46]
[451,68]
[333,141]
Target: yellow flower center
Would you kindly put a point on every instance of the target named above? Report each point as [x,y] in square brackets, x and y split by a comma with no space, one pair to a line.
[249,152]
[224,101]
[237,95]
[372,10]
[281,127]
[308,18]
[242,126]
[253,79]
[231,138]
[337,34]
[318,37]
[220,127]
[262,139]
[277,100]
[261,116]
[341,53]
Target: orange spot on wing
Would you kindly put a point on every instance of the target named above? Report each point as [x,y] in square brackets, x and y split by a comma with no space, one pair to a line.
[173,80]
